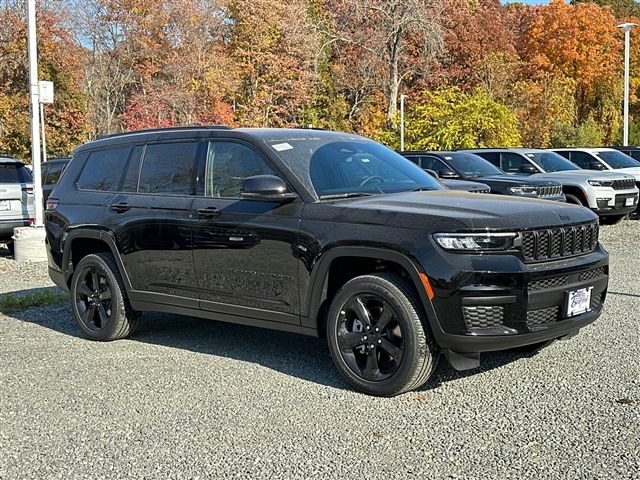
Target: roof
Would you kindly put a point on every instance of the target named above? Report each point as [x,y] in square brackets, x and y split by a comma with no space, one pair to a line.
[204,131]
[587,149]
[10,160]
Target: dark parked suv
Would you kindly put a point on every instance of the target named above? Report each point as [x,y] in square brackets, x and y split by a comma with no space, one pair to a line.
[319,233]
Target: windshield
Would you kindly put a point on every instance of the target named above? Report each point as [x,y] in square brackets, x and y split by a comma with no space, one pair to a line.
[472,166]
[616,159]
[14,173]
[334,166]
[551,161]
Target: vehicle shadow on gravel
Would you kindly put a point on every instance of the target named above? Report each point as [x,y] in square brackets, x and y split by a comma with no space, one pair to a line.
[295,355]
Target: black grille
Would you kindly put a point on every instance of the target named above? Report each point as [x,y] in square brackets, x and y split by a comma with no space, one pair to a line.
[549,190]
[623,184]
[595,273]
[483,316]
[559,242]
[542,316]
[549,283]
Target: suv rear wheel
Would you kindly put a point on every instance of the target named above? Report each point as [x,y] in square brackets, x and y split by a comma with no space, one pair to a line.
[98,299]
[376,337]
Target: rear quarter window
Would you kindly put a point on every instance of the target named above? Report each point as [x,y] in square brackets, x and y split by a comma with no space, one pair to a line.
[103,169]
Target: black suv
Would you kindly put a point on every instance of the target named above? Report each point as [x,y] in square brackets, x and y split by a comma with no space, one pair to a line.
[320,233]
[456,166]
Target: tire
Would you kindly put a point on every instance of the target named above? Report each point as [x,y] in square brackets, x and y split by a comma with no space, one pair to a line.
[573,199]
[401,356]
[99,300]
[611,219]
[10,247]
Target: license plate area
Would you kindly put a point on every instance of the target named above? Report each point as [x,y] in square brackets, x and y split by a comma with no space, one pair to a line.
[5,205]
[578,301]
[628,202]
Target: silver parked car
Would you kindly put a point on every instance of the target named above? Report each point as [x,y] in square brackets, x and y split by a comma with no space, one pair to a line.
[16,198]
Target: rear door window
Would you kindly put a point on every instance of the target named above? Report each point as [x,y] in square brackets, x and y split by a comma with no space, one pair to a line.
[168,168]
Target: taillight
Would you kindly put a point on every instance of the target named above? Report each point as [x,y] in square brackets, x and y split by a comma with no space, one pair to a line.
[51,204]
[27,189]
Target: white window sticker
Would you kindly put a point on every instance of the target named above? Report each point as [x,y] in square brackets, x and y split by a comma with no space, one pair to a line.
[281,147]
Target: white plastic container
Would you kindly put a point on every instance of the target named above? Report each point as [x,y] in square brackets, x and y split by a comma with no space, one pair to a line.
[28,244]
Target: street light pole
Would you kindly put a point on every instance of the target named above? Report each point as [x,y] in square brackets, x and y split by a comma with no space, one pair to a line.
[402,97]
[626,27]
[34,94]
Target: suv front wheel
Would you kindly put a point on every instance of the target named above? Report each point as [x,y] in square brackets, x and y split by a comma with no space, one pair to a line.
[98,299]
[376,337]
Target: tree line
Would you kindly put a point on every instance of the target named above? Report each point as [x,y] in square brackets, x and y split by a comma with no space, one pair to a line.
[474,73]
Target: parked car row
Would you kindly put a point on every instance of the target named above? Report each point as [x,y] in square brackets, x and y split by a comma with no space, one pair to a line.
[602,179]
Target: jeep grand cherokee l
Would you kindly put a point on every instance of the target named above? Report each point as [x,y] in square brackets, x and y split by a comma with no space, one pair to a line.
[16,198]
[319,233]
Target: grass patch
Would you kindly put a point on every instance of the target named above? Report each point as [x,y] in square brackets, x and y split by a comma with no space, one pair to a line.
[13,302]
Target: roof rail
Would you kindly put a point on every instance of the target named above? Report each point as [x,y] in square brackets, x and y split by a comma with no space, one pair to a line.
[152,130]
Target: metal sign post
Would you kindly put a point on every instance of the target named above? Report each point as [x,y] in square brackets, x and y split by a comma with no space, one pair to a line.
[34,93]
[46,97]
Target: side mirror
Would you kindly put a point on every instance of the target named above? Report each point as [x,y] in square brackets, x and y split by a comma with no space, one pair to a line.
[265,187]
[596,166]
[431,172]
[448,174]
[528,168]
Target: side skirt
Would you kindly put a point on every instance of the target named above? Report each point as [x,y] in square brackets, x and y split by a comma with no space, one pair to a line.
[222,317]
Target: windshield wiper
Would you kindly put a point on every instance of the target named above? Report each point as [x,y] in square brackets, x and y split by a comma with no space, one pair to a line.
[345,195]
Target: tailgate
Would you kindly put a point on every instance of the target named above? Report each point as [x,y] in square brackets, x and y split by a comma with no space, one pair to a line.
[13,201]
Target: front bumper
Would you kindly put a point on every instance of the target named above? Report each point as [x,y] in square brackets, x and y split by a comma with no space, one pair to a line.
[496,302]
[615,202]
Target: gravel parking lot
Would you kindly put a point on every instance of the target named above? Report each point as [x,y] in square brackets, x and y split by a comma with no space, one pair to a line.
[189,398]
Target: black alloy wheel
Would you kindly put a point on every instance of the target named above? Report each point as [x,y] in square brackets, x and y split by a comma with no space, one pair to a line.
[99,300]
[378,335]
[93,299]
[370,337]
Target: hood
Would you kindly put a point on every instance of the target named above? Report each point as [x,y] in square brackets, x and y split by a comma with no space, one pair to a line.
[580,176]
[514,180]
[459,211]
[633,171]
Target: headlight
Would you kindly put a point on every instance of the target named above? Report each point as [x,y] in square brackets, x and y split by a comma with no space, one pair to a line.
[483,242]
[600,183]
[524,190]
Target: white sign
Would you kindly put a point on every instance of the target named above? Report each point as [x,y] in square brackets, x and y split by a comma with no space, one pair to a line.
[46,91]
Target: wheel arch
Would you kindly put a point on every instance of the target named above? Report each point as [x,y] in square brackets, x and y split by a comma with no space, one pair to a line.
[366,260]
[577,192]
[82,242]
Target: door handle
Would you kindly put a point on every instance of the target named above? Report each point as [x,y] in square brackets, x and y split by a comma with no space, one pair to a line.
[209,212]
[120,207]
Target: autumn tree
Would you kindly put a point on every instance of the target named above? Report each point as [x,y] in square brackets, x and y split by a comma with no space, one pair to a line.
[385,43]
[448,119]
[578,42]
[60,60]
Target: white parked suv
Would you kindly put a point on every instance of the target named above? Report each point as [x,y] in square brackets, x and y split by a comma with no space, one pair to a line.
[603,159]
[611,195]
